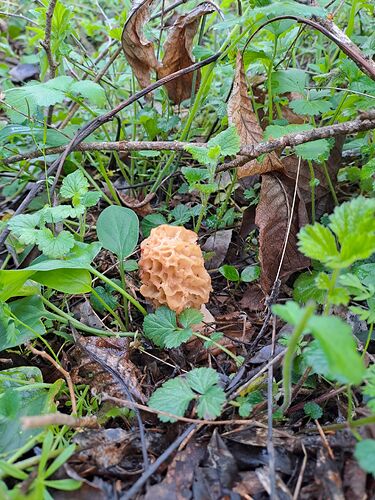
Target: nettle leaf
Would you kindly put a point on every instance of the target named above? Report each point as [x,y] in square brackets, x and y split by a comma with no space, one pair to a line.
[289,80]
[52,246]
[173,397]
[74,185]
[365,454]
[118,230]
[310,108]
[161,327]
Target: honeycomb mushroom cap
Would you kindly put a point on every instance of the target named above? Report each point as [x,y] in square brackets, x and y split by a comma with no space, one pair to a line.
[172,269]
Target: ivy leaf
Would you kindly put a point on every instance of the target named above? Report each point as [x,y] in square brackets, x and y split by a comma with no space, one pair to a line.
[54,246]
[365,454]
[173,397]
[210,403]
[161,327]
[74,185]
[313,410]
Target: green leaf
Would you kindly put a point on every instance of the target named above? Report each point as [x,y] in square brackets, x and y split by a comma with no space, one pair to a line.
[106,294]
[74,185]
[190,317]
[70,281]
[229,272]
[65,454]
[90,90]
[310,108]
[80,257]
[305,289]
[214,337]
[336,340]
[317,242]
[290,80]
[313,410]
[118,230]
[195,175]
[201,379]
[313,150]
[161,327]
[228,140]
[250,273]
[211,403]
[54,246]
[173,397]
[90,199]
[130,265]
[63,484]
[365,455]
[151,221]
[200,154]
[12,471]
[290,312]
[23,226]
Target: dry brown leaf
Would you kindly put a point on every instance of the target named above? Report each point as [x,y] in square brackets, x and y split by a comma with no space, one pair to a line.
[178,52]
[113,353]
[139,51]
[272,216]
[241,114]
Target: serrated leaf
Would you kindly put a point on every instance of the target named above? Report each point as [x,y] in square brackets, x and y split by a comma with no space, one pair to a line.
[159,325]
[313,410]
[195,175]
[173,397]
[210,403]
[74,184]
[24,227]
[305,289]
[289,80]
[201,379]
[228,140]
[310,108]
[54,246]
[190,317]
[313,150]
[317,242]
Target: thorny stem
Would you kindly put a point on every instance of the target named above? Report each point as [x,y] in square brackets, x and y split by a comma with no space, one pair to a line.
[289,356]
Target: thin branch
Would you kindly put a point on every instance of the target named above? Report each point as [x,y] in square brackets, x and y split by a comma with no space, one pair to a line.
[59,419]
[46,43]
[19,16]
[363,123]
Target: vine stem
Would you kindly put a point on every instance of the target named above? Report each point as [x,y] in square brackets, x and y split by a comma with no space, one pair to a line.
[289,356]
[124,293]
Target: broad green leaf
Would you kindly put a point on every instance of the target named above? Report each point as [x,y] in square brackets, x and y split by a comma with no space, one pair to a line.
[90,90]
[250,273]
[173,397]
[336,340]
[190,317]
[228,140]
[195,175]
[317,242]
[365,454]
[23,226]
[177,338]
[12,281]
[54,246]
[276,131]
[229,272]
[74,185]
[118,230]
[289,80]
[90,199]
[305,289]
[70,281]
[159,325]
[151,221]
[313,150]
[290,312]
[211,403]
[29,311]
[201,379]
[80,257]
[200,154]
[310,108]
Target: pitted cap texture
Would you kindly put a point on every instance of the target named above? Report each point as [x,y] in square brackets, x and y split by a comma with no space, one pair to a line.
[172,269]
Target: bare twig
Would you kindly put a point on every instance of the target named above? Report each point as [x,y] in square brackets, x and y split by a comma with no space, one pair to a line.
[19,16]
[59,419]
[367,122]
[46,43]
[66,375]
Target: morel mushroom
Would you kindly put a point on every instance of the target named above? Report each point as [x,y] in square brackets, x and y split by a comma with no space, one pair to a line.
[172,269]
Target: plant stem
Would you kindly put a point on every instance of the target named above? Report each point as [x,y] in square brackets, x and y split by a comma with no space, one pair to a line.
[289,356]
[131,299]
[312,185]
[350,425]
[332,285]
[108,308]
[66,318]
[368,340]
[330,185]
[125,300]
[221,347]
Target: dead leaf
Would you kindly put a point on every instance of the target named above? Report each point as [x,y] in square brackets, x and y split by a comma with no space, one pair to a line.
[272,217]
[241,114]
[253,298]
[217,243]
[113,352]
[140,207]
[139,51]
[178,52]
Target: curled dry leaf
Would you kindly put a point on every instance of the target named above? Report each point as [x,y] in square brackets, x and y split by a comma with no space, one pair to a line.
[178,52]
[241,114]
[139,51]
[272,217]
[112,353]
